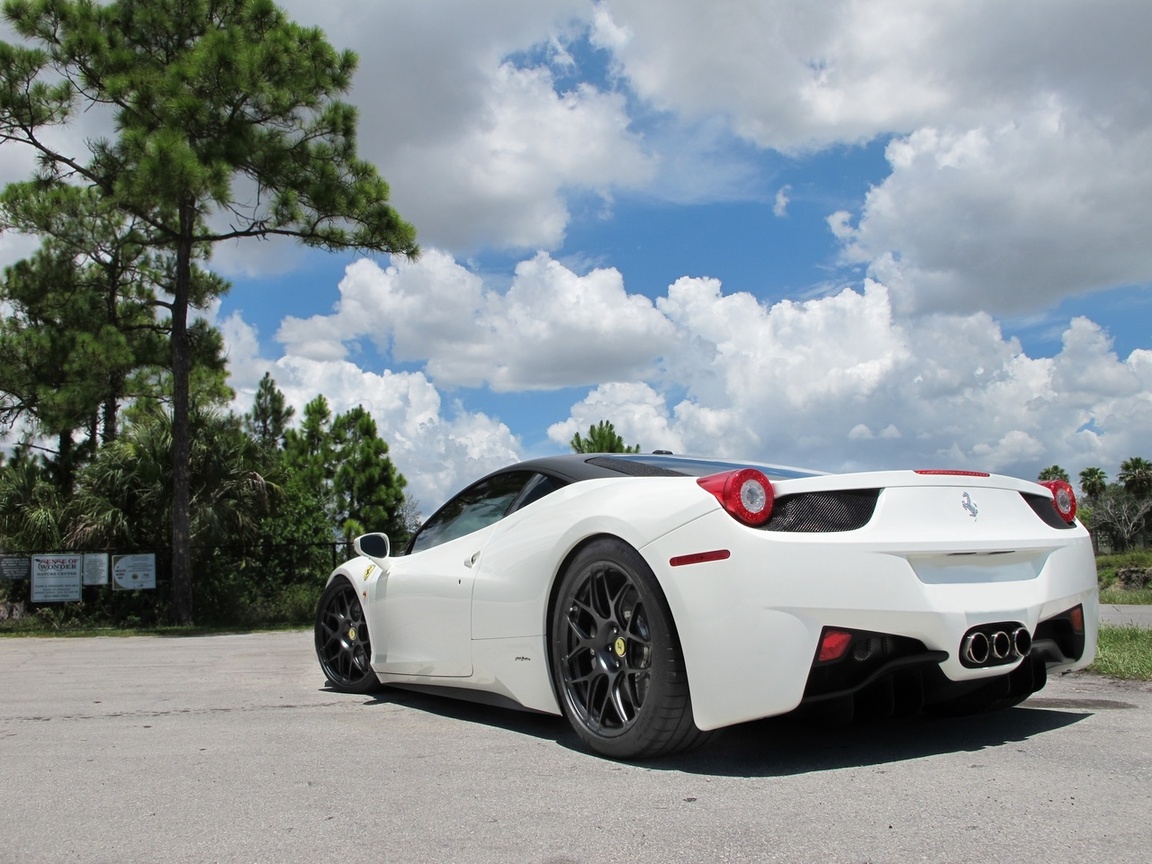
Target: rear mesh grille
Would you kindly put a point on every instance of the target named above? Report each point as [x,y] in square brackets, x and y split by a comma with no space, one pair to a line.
[821,512]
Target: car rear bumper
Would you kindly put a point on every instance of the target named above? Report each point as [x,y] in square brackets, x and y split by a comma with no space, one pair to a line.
[750,624]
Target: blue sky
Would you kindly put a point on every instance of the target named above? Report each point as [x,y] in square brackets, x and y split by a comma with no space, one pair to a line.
[837,235]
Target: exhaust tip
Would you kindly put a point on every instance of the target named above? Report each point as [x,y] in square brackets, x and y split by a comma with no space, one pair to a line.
[1001,644]
[976,648]
[1021,641]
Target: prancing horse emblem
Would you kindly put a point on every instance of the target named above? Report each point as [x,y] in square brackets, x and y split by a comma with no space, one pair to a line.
[969,505]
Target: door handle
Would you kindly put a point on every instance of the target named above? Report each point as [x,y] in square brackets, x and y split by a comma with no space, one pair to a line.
[470,562]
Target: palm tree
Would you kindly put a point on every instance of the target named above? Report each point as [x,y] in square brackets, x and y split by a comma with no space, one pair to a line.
[1136,476]
[31,511]
[125,495]
[1093,482]
[1053,472]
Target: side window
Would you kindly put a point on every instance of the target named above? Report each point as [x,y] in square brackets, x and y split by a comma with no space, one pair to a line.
[539,486]
[476,507]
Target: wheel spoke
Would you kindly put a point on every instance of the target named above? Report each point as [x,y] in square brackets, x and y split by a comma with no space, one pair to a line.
[582,635]
[602,700]
[583,680]
[608,582]
[620,610]
[622,700]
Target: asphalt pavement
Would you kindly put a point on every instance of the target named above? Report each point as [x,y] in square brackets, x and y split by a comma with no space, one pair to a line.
[230,749]
[1126,616]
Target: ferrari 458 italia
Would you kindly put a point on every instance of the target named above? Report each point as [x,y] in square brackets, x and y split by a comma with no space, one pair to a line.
[652,598]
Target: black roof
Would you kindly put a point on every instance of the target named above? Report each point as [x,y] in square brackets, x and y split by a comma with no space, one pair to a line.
[590,466]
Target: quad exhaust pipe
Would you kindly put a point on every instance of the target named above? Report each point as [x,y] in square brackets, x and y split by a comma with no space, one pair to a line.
[994,644]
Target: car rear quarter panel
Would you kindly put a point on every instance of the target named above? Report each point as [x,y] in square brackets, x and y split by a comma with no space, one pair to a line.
[518,567]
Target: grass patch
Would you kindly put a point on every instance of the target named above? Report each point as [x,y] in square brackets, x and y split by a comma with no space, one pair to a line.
[1121,597]
[1124,652]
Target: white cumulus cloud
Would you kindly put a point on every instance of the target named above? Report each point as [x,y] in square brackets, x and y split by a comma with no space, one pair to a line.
[843,382]
[551,328]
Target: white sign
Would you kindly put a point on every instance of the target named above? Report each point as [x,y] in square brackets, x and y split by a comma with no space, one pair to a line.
[55,578]
[133,572]
[96,568]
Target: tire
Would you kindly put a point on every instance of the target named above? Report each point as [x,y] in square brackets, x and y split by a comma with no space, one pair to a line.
[616,660]
[343,646]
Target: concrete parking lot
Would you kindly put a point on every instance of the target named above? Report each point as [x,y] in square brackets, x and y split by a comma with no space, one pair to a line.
[230,749]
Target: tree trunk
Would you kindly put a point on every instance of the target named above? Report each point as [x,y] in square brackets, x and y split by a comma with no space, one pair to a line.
[181,551]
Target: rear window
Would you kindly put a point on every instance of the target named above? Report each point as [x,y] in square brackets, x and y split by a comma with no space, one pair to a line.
[658,465]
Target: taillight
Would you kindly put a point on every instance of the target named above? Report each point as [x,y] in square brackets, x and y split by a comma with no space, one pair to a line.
[746,494]
[1063,498]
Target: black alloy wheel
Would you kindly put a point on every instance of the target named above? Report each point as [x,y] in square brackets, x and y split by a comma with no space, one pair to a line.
[616,659]
[342,643]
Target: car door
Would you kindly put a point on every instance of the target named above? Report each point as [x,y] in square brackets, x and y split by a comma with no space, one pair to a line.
[425,625]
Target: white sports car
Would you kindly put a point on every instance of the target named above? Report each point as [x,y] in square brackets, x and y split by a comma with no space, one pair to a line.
[652,598]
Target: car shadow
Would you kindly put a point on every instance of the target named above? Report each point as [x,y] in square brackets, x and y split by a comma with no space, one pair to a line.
[786,746]
[548,727]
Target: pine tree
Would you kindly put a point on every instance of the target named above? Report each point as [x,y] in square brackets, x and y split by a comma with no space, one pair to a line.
[602,438]
[270,416]
[368,490]
[209,97]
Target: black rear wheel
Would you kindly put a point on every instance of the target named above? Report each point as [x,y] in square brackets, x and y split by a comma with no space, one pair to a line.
[342,643]
[616,658]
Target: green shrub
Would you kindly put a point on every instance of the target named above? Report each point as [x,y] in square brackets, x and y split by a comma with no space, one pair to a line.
[1107,565]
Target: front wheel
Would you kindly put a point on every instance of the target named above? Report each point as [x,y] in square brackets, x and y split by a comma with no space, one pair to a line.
[342,644]
[616,659]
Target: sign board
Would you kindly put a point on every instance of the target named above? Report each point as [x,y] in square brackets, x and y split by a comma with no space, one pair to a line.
[95,568]
[56,578]
[15,567]
[133,572]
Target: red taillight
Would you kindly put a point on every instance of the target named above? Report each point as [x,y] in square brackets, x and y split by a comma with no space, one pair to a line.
[747,494]
[1063,498]
[833,645]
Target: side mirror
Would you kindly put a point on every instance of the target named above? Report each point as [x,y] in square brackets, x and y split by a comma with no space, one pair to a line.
[373,546]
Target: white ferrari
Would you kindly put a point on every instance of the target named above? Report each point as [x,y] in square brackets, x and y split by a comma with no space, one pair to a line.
[651,598]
